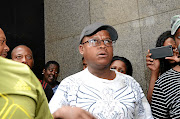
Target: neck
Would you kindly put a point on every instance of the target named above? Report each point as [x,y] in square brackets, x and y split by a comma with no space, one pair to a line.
[52,85]
[105,73]
[177,68]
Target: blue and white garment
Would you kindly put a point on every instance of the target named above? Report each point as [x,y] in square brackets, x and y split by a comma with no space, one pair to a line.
[120,98]
[55,88]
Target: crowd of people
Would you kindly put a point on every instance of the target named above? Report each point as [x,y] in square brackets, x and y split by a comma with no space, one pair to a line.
[104,89]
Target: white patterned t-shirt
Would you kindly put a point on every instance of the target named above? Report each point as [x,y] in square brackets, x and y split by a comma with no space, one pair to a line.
[120,98]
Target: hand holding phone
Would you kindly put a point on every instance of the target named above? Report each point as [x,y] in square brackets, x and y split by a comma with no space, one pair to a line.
[161,52]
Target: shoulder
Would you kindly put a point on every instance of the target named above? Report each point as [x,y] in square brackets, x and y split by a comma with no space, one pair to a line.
[126,78]
[168,76]
[74,78]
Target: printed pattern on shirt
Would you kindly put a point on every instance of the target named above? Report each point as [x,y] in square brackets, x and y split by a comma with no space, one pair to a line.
[120,98]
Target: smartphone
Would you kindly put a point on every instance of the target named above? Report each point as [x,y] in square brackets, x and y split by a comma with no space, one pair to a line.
[161,52]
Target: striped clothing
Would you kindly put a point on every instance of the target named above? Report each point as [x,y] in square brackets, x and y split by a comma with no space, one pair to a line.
[166,96]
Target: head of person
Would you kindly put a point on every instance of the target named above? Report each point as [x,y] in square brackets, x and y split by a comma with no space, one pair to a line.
[84,63]
[121,64]
[23,54]
[175,28]
[3,47]
[166,39]
[50,72]
[96,45]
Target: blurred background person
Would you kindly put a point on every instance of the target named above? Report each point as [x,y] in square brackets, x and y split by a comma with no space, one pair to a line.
[166,97]
[21,94]
[50,74]
[121,64]
[23,54]
[159,66]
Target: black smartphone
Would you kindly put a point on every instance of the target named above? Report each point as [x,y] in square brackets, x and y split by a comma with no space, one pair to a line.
[161,52]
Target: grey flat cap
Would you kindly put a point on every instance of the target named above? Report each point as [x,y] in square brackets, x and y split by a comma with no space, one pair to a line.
[95,27]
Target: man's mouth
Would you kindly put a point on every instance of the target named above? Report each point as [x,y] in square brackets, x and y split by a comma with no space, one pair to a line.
[51,77]
[4,55]
[102,54]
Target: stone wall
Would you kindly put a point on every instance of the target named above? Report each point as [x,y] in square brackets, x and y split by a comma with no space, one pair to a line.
[138,22]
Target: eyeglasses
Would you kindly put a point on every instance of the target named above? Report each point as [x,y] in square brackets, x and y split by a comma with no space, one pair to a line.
[96,42]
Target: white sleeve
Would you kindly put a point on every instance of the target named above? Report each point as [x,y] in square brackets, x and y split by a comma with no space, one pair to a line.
[59,99]
[143,109]
[147,108]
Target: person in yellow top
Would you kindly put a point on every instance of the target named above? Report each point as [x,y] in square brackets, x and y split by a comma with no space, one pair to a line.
[21,94]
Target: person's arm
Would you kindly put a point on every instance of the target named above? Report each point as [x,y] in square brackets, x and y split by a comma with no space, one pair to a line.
[154,66]
[142,107]
[68,112]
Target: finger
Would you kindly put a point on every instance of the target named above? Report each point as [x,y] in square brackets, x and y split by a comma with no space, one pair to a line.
[149,63]
[149,60]
[169,58]
[149,55]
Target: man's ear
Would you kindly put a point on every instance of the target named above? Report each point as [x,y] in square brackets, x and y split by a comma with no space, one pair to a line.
[81,49]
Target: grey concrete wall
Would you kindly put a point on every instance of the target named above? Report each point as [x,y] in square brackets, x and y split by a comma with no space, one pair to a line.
[138,22]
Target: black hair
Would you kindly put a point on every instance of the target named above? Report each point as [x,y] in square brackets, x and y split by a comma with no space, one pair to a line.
[164,64]
[52,62]
[129,69]
[163,37]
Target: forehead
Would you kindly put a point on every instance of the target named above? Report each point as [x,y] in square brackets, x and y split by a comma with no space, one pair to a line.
[53,66]
[99,34]
[22,51]
[102,33]
[169,41]
[119,63]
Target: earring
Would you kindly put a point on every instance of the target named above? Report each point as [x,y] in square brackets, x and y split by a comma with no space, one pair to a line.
[42,73]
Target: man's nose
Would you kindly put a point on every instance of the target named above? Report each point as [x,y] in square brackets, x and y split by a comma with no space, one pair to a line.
[7,48]
[53,72]
[102,43]
[24,60]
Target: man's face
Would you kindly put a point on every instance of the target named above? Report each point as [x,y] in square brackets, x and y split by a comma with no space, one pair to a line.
[24,55]
[3,47]
[97,56]
[51,74]
[177,37]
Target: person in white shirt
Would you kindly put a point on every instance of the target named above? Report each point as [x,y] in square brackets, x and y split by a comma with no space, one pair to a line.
[105,93]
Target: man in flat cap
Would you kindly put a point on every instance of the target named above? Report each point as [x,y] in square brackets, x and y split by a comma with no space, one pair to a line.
[104,93]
